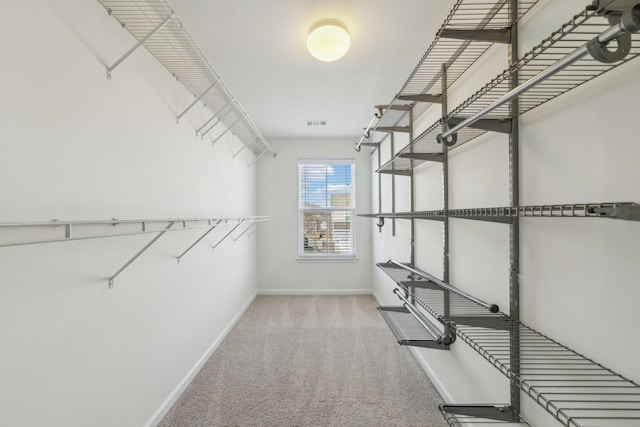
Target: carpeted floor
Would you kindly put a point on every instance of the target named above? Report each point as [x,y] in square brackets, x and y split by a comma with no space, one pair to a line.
[309,361]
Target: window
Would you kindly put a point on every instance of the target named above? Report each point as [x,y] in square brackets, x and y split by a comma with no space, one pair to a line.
[326,191]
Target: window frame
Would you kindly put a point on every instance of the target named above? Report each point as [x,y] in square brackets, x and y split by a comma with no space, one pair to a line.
[351,209]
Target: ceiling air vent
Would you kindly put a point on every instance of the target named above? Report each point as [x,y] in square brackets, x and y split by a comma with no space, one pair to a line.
[316,122]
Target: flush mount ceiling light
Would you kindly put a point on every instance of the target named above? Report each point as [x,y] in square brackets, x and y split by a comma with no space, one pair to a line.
[328,40]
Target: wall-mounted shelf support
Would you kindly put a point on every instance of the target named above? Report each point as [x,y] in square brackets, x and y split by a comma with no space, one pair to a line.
[502,36]
[404,172]
[402,129]
[457,415]
[226,235]
[395,107]
[213,141]
[220,118]
[174,48]
[199,240]
[252,225]
[492,125]
[423,97]
[140,252]
[195,101]
[140,43]
[429,157]
[215,116]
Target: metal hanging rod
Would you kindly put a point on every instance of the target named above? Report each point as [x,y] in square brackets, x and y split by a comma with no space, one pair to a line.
[154,24]
[439,337]
[493,308]
[20,233]
[629,23]
[367,132]
[575,390]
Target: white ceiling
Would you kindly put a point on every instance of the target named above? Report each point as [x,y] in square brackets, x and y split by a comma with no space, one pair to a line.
[258,47]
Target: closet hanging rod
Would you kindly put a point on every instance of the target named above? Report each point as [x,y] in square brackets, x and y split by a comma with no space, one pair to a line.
[366,133]
[493,308]
[439,337]
[629,23]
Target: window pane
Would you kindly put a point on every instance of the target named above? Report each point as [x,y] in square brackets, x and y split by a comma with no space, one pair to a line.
[327,232]
[327,202]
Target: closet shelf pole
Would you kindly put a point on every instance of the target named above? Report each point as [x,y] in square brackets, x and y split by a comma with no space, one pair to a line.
[215,115]
[433,331]
[140,43]
[629,23]
[226,130]
[203,134]
[228,234]
[366,133]
[493,308]
[244,231]
[199,240]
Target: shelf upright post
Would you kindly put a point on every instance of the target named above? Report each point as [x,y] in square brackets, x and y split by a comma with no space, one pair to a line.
[393,185]
[380,190]
[445,190]
[412,230]
[514,227]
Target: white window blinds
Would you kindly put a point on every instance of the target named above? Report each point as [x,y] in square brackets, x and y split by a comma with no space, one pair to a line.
[326,190]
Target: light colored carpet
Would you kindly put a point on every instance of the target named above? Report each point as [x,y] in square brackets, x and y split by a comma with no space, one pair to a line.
[309,361]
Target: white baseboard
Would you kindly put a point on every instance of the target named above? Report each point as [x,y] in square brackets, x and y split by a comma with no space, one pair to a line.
[435,380]
[314,292]
[160,413]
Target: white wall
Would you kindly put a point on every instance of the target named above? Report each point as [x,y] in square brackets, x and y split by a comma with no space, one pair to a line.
[279,269]
[578,276]
[76,146]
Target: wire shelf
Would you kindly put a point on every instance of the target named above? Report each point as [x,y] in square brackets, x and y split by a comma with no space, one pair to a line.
[27,233]
[406,329]
[577,391]
[487,415]
[457,54]
[582,28]
[574,389]
[177,51]
[571,36]
[628,211]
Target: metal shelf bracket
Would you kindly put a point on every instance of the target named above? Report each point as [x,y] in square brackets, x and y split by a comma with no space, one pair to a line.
[140,43]
[140,252]
[199,240]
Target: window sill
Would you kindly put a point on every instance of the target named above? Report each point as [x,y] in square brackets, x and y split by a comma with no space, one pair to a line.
[316,258]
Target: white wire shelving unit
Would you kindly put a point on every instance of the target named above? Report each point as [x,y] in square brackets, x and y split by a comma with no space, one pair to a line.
[30,233]
[154,25]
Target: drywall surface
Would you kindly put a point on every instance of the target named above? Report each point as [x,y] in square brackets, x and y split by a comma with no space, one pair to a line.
[578,276]
[279,269]
[76,146]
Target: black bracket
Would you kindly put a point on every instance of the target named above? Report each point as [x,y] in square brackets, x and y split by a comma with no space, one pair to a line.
[451,140]
[491,412]
[629,21]
[502,35]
